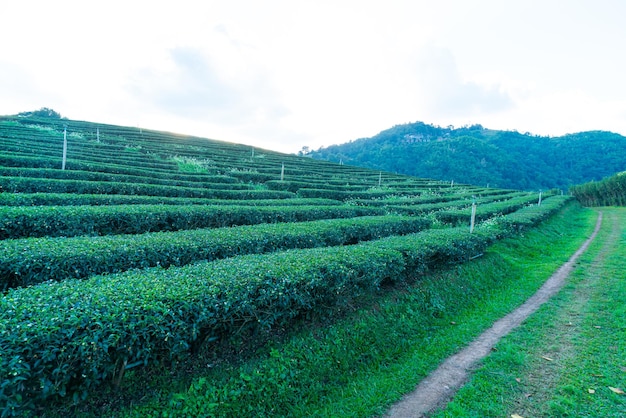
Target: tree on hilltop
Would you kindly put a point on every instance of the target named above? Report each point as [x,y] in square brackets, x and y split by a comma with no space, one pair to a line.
[44,112]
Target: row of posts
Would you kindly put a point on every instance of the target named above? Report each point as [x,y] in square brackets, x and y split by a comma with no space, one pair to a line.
[282,176]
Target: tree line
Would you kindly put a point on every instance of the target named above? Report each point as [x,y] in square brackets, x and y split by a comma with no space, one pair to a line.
[610,191]
[484,157]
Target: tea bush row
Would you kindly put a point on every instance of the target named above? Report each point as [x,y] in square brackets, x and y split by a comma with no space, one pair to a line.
[64,199]
[488,210]
[294,186]
[55,221]
[29,185]
[343,195]
[532,215]
[453,211]
[23,162]
[208,182]
[67,338]
[34,260]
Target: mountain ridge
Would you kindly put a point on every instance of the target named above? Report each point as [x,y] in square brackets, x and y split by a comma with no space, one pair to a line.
[477,155]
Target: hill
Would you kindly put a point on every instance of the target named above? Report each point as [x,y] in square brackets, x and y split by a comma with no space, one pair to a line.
[480,156]
[127,251]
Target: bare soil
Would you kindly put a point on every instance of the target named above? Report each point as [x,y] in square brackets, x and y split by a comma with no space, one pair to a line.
[438,388]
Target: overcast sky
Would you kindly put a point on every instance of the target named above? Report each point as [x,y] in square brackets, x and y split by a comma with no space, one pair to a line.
[286,74]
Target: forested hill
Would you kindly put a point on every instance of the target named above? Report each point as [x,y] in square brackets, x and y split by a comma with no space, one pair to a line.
[480,156]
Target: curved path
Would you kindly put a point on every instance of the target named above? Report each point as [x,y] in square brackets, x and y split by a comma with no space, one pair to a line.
[439,387]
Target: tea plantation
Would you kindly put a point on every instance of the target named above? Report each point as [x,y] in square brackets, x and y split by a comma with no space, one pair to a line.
[140,246]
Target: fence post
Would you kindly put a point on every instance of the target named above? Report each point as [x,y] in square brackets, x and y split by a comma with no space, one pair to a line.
[64,147]
[473,218]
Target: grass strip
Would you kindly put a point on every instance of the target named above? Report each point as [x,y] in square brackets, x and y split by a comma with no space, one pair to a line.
[568,358]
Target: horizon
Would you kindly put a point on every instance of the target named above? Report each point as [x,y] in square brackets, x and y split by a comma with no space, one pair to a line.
[298,152]
[282,75]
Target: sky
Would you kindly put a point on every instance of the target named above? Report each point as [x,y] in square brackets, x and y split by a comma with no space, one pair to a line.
[283,75]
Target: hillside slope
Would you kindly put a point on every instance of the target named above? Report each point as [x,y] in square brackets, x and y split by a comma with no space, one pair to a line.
[480,156]
[128,250]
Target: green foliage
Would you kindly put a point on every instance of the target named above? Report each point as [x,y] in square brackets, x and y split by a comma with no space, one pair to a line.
[64,338]
[530,216]
[38,185]
[476,155]
[63,199]
[610,191]
[68,221]
[580,329]
[488,210]
[44,112]
[357,366]
[348,195]
[68,337]
[34,260]
[208,182]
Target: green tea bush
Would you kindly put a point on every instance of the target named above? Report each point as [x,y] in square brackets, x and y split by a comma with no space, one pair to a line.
[11,160]
[207,182]
[294,186]
[24,162]
[55,221]
[435,248]
[64,338]
[530,216]
[37,185]
[344,195]
[64,199]
[484,211]
[34,260]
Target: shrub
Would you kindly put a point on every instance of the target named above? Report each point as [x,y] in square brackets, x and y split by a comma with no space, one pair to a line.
[34,260]
[39,221]
[66,338]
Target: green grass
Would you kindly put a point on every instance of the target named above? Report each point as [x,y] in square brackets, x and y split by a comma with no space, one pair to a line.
[582,330]
[356,362]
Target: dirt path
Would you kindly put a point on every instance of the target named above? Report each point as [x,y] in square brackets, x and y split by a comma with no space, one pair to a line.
[439,387]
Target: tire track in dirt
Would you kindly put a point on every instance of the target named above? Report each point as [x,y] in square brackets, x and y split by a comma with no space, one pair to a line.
[438,388]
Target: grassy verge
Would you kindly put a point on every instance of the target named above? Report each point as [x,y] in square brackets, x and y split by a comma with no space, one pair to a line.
[569,358]
[357,362]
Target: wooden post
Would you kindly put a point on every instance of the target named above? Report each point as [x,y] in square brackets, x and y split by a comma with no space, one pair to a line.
[473,219]
[64,147]
[98,135]
[380,178]
[539,203]
[282,172]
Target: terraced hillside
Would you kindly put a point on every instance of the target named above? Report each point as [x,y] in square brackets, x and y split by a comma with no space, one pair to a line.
[143,245]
